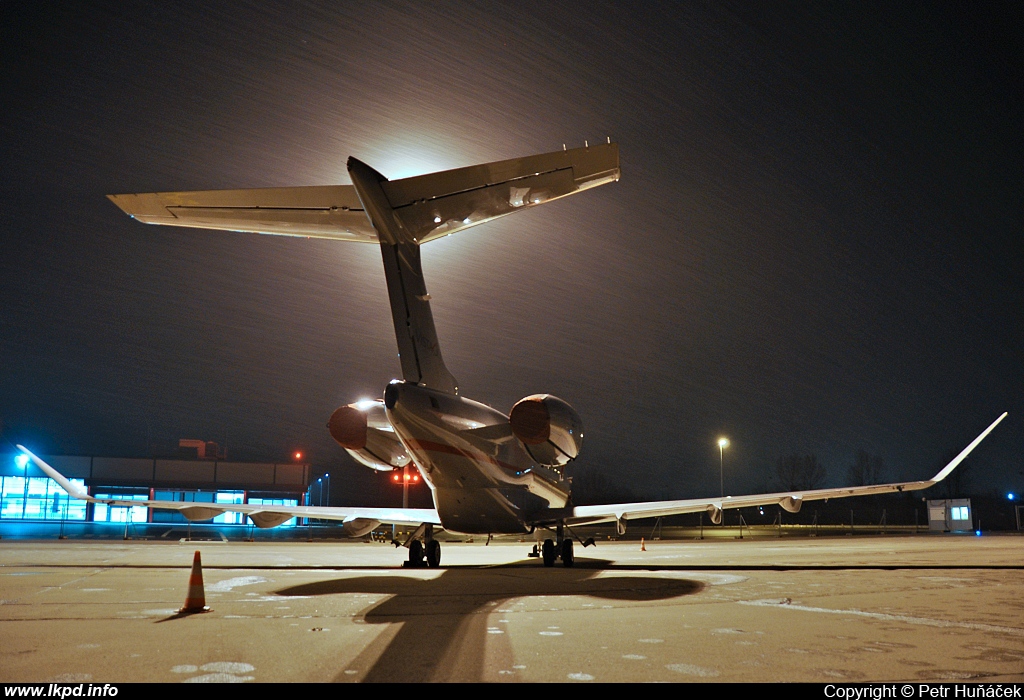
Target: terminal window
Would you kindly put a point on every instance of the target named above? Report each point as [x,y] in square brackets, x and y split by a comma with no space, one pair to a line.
[38,498]
[277,502]
[102,513]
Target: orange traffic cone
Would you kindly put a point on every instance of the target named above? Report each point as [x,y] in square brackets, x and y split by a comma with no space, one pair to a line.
[195,601]
[642,548]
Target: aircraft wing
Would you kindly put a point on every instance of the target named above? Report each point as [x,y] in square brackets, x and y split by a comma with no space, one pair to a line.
[429,206]
[788,500]
[361,519]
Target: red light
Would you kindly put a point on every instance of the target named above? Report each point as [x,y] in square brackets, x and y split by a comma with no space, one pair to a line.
[405,476]
[297,456]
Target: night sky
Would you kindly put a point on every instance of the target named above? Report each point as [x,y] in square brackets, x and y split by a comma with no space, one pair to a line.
[814,247]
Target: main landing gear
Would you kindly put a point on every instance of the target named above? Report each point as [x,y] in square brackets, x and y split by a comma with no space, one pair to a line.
[560,548]
[433,554]
[428,548]
[550,552]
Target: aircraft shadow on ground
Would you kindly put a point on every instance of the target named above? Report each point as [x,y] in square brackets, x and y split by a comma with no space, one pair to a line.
[444,622]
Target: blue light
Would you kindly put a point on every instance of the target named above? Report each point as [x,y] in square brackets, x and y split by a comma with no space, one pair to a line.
[21,460]
[978,533]
[1010,496]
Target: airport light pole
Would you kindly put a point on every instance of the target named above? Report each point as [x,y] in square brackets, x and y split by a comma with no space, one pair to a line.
[407,478]
[722,444]
[328,477]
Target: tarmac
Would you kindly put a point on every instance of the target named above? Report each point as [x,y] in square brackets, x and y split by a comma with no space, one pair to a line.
[928,608]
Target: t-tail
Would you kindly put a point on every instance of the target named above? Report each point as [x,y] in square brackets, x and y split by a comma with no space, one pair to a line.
[418,349]
[399,215]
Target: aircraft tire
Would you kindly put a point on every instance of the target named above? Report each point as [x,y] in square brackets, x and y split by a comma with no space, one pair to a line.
[548,552]
[567,555]
[415,553]
[433,554]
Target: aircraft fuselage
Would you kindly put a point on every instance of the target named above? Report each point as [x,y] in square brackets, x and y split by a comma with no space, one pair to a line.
[481,478]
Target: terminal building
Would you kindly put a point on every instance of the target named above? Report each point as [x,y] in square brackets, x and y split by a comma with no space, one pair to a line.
[201,477]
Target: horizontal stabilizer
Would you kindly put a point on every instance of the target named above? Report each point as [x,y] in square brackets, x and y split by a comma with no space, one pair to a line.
[429,206]
[314,212]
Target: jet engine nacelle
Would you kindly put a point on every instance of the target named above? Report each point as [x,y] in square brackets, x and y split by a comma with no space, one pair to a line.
[363,429]
[549,428]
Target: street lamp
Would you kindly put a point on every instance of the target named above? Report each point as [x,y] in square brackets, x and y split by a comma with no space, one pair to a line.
[320,499]
[328,477]
[722,444]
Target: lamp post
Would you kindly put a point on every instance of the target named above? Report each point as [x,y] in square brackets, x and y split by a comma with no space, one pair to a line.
[328,477]
[722,444]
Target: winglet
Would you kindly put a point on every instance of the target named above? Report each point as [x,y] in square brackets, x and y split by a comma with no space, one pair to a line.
[72,490]
[946,470]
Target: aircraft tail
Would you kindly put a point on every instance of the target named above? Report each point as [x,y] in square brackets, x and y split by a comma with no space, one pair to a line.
[399,215]
[418,348]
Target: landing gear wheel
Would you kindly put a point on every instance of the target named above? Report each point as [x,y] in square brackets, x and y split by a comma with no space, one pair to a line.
[415,554]
[567,558]
[433,554]
[548,552]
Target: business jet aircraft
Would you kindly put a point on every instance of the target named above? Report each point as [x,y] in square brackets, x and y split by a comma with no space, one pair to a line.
[488,473]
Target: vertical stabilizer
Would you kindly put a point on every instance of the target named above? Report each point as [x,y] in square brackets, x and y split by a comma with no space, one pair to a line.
[418,348]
